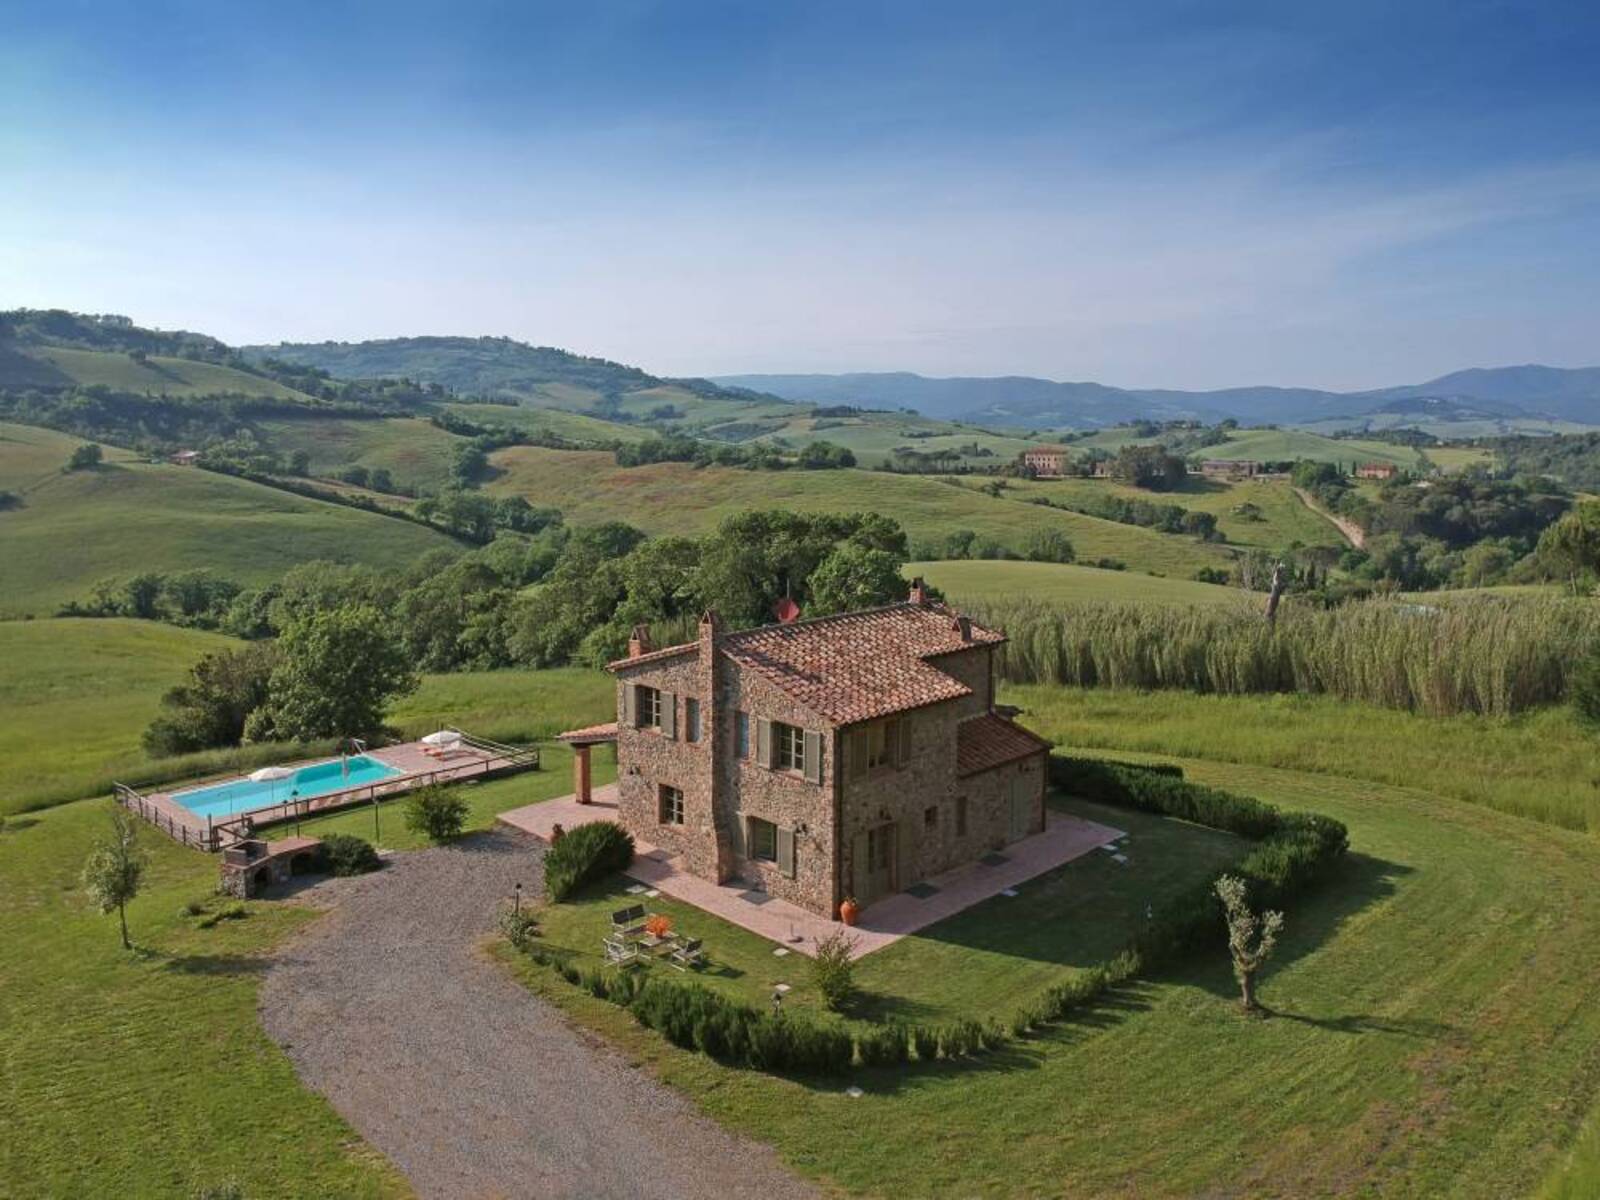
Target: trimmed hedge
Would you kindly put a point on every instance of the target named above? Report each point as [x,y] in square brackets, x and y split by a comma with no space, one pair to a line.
[1292,852]
[585,854]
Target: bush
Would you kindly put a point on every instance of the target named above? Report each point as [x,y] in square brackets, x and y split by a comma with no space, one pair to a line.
[833,970]
[437,812]
[519,928]
[586,853]
[884,1046]
[346,854]
[1585,686]
[925,1041]
[1164,791]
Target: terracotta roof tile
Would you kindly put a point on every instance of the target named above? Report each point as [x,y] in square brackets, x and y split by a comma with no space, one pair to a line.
[654,656]
[987,742]
[590,734]
[862,665]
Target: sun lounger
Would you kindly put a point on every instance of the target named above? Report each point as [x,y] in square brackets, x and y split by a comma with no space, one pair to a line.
[620,952]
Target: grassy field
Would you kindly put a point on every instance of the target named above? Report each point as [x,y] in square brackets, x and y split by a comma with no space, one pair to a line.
[1542,765]
[124,517]
[578,426]
[147,1074]
[872,436]
[678,498]
[980,582]
[1434,1034]
[983,963]
[156,375]
[415,452]
[1459,458]
[1284,519]
[1273,445]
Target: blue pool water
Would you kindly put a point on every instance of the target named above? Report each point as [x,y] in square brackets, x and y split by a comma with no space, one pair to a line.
[243,795]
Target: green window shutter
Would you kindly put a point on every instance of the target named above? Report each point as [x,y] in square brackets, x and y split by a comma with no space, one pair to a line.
[858,754]
[630,705]
[669,714]
[764,741]
[902,750]
[786,853]
[813,756]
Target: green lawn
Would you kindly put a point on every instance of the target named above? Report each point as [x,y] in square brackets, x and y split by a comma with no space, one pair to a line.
[679,498]
[974,581]
[1278,445]
[872,436]
[578,426]
[76,528]
[1435,1035]
[983,963]
[147,1074]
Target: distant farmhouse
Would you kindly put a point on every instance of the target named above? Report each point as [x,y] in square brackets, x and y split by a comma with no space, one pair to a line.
[845,756]
[1230,468]
[1047,462]
[1377,470]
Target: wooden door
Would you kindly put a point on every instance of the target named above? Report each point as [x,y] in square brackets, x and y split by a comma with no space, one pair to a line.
[873,865]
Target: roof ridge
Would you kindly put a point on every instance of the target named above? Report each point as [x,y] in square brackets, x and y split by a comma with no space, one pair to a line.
[812,622]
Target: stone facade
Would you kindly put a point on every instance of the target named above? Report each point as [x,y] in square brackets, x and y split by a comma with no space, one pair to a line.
[835,831]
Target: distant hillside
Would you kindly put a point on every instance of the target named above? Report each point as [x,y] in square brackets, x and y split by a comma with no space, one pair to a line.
[1518,394]
[541,376]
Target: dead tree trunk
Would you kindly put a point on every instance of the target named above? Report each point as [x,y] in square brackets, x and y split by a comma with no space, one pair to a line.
[1275,592]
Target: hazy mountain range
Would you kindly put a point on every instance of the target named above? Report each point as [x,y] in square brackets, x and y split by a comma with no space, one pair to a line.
[1498,393]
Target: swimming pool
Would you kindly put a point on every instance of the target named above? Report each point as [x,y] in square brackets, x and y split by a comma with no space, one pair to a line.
[245,795]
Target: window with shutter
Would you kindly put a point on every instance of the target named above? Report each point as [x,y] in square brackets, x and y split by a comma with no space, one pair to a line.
[691,719]
[786,852]
[764,741]
[860,748]
[741,734]
[788,747]
[763,839]
[812,756]
[667,714]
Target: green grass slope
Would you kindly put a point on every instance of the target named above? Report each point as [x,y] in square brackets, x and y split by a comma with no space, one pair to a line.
[679,498]
[579,427]
[126,516]
[415,452]
[147,1074]
[1274,445]
[1433,1035]
[871,437]
[979,582]
[156,375]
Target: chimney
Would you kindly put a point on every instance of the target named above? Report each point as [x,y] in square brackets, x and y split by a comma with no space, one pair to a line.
[639,641]
[963,625]
[919,593]
[710,626]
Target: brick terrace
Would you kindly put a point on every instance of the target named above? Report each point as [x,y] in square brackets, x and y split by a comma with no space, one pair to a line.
[1064,839]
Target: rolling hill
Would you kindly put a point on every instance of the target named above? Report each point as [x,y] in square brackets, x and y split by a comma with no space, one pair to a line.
[679,498]
[72,529]
[977,583]
[1530,393]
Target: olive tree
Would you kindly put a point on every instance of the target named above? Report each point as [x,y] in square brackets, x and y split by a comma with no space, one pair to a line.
[115,869]
[1251,938]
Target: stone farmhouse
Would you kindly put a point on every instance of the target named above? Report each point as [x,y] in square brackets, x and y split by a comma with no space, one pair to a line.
[1377,470]
[844,756]
[1047,462]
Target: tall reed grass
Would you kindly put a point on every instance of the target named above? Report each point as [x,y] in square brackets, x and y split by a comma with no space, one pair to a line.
[1494,656]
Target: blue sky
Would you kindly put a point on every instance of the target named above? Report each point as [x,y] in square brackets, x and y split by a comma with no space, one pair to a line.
[1168,194]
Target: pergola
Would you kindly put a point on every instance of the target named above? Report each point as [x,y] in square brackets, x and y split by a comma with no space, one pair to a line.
[582,741]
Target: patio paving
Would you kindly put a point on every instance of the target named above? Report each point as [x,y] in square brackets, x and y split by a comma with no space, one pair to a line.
[884,923]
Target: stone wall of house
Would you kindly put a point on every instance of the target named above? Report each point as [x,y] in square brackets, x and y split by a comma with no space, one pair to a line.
[785,798]
[647,758]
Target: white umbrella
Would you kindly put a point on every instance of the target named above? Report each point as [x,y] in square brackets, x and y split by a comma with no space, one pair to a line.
[445,737]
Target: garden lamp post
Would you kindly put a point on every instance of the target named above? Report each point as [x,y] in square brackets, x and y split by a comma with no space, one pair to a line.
[517,903]
[294,803]
[376,836]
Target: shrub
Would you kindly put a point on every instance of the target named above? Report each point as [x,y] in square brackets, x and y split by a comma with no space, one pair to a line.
[437,812]
[1164,791]
[192,909]
[925,1041]
[884,1046]
[586,853]
[833,969]
[519,928]
[1586,685]
[346,854]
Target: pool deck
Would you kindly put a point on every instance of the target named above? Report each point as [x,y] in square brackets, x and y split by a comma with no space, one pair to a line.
[882,924]
[417,764]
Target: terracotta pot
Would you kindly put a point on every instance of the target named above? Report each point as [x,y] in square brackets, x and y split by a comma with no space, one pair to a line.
[848,912]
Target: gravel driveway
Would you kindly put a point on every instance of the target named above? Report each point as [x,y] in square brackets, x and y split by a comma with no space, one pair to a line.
[466,1081]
